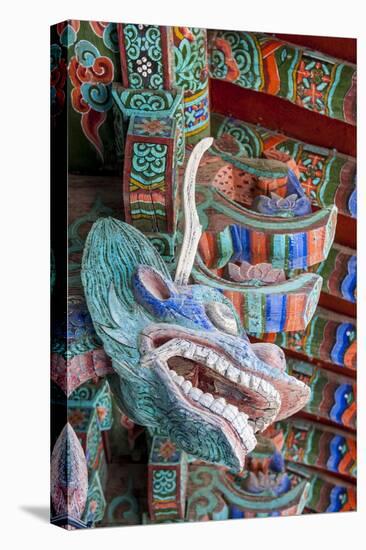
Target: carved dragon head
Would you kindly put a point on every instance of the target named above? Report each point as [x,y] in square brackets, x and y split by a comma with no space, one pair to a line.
[184,362]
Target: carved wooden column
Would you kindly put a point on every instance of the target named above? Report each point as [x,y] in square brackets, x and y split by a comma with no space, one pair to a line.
[191,74]
[152,113]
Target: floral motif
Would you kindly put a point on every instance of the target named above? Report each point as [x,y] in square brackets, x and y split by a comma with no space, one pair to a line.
[91,75]
[231,66]
[144,56]
[164,482]
[311,167]
[102,413]
[228,144]
[313,81]
[283,207]
[152,126]
[261,272]
[144,66]
[235,56]
[167,449]
[191,69]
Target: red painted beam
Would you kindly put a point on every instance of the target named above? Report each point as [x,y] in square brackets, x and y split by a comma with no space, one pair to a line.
[346,231]
[341,48]
[338,305]
[282,116]
[344,371]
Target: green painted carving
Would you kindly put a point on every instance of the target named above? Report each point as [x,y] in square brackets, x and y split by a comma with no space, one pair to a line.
[191,74]
[160,103]
[268,64]
[213,490]
[127,285]
[144,56]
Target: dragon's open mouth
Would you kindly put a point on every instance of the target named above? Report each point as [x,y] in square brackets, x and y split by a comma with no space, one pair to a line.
[211,380]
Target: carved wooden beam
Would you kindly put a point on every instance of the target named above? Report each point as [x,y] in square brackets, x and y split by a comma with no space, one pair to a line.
[285,306]
[77,355]
[320,447]
[327,493]
[150,174]
[146,56]
[215,494]
[326,176]
[233,233]
[329,337]
[69,374]
[339,273]
[333,396]
[153,103]
[167,480]
[309,79]
[238,233]
[191,74]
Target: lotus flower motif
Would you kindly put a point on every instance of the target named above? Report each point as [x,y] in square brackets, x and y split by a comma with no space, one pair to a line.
[262,272]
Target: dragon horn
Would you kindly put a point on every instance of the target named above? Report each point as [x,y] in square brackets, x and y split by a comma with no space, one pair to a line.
[192,226]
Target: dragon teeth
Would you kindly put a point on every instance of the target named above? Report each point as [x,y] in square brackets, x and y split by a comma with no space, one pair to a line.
[206,399]
[201,353]
[211,359]
[230,412]
[260,424]
[239,420]
[218,405]
[240,423]
[222,366]
[233,374]
[254,383]
[186,386]
[179,380]
[244,379]
[189,352]
[195,393]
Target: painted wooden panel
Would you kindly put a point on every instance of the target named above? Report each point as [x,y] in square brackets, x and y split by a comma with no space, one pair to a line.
[326,176]
[333,396]
[150,174]
[267,64]
[319,446]
[327,493]
[339,272]
[328,337]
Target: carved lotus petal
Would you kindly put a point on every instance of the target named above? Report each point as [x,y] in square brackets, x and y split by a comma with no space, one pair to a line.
[234,272]
[274,275]
[244,270]
[261,272]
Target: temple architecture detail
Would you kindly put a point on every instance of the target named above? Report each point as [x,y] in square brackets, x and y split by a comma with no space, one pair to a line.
[203,362]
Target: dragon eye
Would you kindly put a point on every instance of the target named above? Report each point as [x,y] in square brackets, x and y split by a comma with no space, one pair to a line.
[222,317]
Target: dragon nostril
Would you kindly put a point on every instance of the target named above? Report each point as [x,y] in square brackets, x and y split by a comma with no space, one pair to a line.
[153,283]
